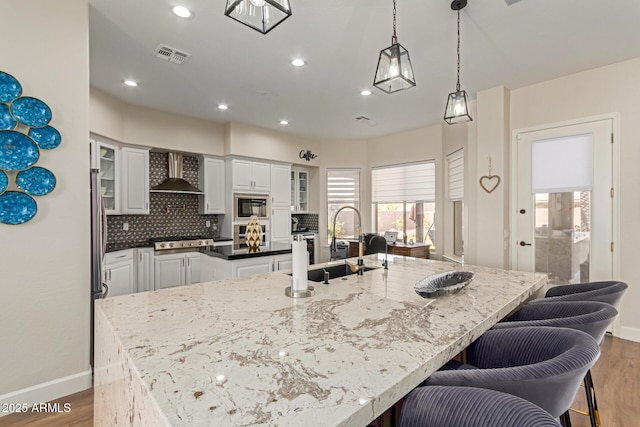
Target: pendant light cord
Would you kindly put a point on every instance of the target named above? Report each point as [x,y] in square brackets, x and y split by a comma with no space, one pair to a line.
[458,83]
[394,39]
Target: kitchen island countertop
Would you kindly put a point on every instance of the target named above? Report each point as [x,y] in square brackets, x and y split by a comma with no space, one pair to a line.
[239,352]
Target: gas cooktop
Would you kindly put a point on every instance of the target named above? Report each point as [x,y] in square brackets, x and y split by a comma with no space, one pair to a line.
[174,244]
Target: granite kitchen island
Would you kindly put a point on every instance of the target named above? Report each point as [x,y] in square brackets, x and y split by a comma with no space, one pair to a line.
[239,352]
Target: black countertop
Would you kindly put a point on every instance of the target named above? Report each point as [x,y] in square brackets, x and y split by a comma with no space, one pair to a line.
[230,253]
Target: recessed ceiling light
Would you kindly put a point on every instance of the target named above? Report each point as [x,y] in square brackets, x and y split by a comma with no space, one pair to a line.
[297,62]
[365,93]
[181,11]
[131,83]
[284,122]
[223,106]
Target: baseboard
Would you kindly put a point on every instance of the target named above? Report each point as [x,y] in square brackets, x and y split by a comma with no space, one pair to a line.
[48,391]
[630,334]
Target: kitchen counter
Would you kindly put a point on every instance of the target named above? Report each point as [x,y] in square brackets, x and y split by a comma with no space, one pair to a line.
[230,253]
[113,247]
[239,352]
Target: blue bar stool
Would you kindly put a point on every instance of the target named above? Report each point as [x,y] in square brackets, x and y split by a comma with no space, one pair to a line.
[609,292]
[437,406]
[588,316]
[541,364]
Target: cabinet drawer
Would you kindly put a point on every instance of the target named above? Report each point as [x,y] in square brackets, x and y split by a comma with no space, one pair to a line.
[117,256]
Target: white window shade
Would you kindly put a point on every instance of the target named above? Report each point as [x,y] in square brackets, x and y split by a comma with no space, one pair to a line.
[343,187]
[455,162]
[561,165]
[412,182]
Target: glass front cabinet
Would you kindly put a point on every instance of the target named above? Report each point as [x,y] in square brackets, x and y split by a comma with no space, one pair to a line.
[109,173]
[299,190]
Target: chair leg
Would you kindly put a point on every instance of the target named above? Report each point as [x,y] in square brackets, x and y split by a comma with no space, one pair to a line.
[565,419]
[588,390]
[592,389]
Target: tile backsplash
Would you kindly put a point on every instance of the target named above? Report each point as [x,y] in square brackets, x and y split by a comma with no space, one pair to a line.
[309,221]
[169,214]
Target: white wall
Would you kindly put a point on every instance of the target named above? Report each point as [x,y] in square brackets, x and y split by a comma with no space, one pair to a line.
[603,90]
[152,128]
[45,263]
[490,216]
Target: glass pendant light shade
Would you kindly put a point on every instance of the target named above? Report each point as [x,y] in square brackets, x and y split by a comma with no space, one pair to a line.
[457,110]
[394,70]
[261,15]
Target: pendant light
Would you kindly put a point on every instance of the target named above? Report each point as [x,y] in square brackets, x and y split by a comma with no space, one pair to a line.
[394,70]
[261,15]
[457,110]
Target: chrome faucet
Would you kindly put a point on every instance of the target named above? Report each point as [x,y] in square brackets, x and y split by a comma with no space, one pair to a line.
[334,246]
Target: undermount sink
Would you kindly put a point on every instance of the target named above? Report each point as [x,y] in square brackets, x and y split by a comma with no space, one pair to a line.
[335,271]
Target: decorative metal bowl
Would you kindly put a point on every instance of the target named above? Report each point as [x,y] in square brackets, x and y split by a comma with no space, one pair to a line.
[441,284]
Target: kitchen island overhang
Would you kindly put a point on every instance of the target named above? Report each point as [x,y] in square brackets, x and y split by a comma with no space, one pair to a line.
[239,352]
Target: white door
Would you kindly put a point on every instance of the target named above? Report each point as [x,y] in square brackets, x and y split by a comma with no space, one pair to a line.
[567,231]
[169,270]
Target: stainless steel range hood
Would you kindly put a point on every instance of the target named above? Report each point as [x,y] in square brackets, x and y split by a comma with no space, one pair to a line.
[175,183]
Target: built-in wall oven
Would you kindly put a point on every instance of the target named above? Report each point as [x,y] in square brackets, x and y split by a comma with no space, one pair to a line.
[239,235]
[248,205]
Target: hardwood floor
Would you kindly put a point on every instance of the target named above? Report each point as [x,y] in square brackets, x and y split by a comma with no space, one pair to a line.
[80,414]
[616,377]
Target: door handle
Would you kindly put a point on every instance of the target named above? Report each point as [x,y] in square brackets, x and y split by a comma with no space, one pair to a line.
[522,243]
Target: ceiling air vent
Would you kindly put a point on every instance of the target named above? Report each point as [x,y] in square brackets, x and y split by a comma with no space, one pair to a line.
[366,120]
[170,54]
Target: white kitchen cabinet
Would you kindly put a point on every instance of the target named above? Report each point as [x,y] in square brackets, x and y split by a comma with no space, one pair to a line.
[109,166]
[124,176]
[280,229]
[221,269]
[208,268]
[299,190]
[280,178]
[192,272]
[145,269]
[248,176]
[135,181]
[176,269]
[212,182]
[250,266]
[282,262]
[118,270]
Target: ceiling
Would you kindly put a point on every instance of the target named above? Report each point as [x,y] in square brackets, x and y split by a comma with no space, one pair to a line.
[340,40]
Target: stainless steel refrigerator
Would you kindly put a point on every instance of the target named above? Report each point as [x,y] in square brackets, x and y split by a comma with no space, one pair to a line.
[98,242]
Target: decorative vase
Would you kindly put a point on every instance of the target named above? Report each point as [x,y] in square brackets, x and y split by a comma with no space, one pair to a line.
[253,235]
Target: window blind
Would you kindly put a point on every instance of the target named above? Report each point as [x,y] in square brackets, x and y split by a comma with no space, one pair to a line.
[562,165]
[343,187]
[404,183]
[455,163]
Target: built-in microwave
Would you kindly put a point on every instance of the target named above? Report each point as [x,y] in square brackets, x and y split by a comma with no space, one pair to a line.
[247,205]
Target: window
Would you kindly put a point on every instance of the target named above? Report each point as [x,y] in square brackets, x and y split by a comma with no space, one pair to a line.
[343,189]
[455,166]
[404,201]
